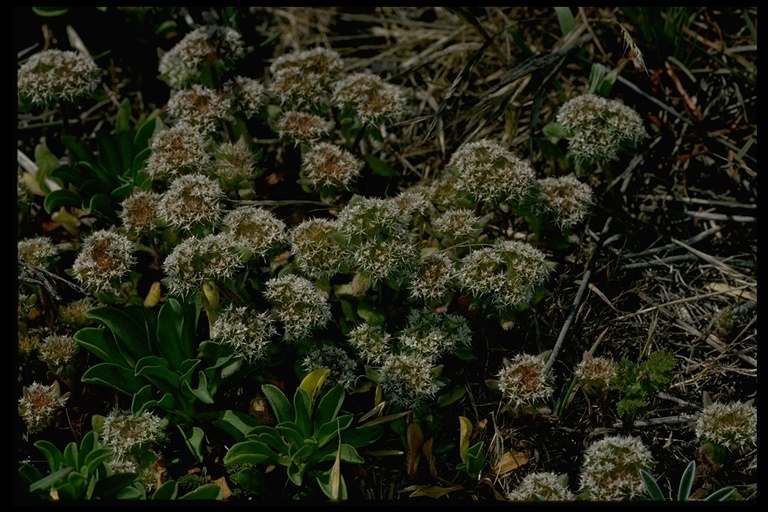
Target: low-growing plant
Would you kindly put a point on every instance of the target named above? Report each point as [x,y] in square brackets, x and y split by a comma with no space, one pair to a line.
[639,382]
[684,488]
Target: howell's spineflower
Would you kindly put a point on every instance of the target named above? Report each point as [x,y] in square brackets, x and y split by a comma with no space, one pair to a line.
[732,426]
[414,202]
[73,313]
[373,100]
[446,192]
[298,304]
[564,200]
[328,165]
[611,468]
[28,343]
[594,374]
[368,217]
[192,200]
[140,214]
[489,172]
[248,332]
[318,250]
[200,107]
[211,45]
[434,279]
[248,95]
[408,379]
[523,382]
[371,342]
[38,251]
[255,230]
[196,260]
[542,486]
[299,89]
[56,350]
[432,334]
[457,226]
[235,166]
[302,127]
[39,404]
[51,76]
[105,258]
[393,259]
[180,149]
[342,367]
[320,61]
[508,273]
[128,434]
[598,128]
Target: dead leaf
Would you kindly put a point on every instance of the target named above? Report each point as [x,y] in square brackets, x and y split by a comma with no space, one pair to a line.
[222,484]
[723,288]
[433,492]
[510,461]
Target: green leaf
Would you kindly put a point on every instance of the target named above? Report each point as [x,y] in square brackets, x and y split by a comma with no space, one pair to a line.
[362,436]
[686,482]
[145,398]
[167,491]
[721,494]
[49,481]
[96,458]
[116,377]
[145,134]
[269,436]
[235,423]
[302,404]
[50,12]
[52,454]
[156,370]
[204,492]
[280,405]
[651,486]
[329,406]
[252,481]
[250,452]
[379,167]
[291,432]
[70,455]
[61,198]
[333,429]
[566,19]
[108,487]
[87,444]
[101,343]
[201,391]
[109,157]
[131,334]
[174,339]
[194,439]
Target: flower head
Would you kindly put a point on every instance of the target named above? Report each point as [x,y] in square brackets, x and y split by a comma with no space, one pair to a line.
[234,165]
[565,200]
[127,434]
[248,332]
[489,172]
[302,127]
[431,334]
[373,100]
[326,164]
[595,374]
[180,149]
[298,304]
[317,249]
[408,379]
[196,260]
[205,45]
[199,106]
[298,89]
[255,230]
[140,214]
[191,200]
[598,128]
[456,226]
[342,367]
[371,341]
[523,382]
[57,350]
[611,468]
[51,76]
[434,279]
[73,313]
[38,251]
[248,95]
[323,62]
[541,486]
[105,258]
[39,403]
[732,426]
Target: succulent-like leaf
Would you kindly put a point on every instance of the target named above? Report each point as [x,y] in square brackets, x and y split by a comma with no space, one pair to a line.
[204,492]
[686,482]
[651,486]
[250,452]
[280,405]
[167,491]
[116,377]
[329,406]
[302,404]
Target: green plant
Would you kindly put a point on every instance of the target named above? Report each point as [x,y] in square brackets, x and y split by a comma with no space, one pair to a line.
[684,488]
[80,472]
[638,382]
[200,491]
[152,357]
[310,438]
[472,457]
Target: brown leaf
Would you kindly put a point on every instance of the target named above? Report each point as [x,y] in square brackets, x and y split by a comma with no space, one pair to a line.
[433,492]
[510,461]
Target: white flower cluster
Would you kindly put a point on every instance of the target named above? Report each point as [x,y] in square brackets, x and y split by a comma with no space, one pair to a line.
[298,304]
[327,164]
[730,425]
[199,106]
[248,95]
[38,250]
[595,374]
[104,259]
[611,468]
[317,249]
[140,213]
[430,334]
[191,200]
[435,278]
[39,403]
[180,149]
[372,99]
[523,382]
[196,260]
[53,75]
[565,200]
[248,332]
[342,367]
[126,433]
[456,226]
[255,230]
[57,350]
[371,342]
[541,486]
[408,379]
